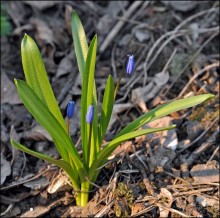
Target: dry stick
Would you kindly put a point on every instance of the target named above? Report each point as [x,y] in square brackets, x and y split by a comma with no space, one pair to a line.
[151,207]
[203,147]
[113,62]
[214,153]
[195,16]
[119,25]
[28,180]
[192,192]
[206,68]
[193,142]
[192,185]
[190,61]
[199,137]
[171,210]
[105,210]
[171,33]
[146,181]
[7,209]
[173,36]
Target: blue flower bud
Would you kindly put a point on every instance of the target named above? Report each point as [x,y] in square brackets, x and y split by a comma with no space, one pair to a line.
[70,109]
[90,114]
[130,64]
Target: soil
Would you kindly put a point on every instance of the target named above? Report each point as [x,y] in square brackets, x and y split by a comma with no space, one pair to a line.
[176,49]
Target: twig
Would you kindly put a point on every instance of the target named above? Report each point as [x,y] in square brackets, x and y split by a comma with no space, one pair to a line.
[190,61]
[6,211]
[151,207]
[214,153]
[119,25]
[206,68]
[203,147]
[146,181]
[113,62]
[176,194]
[199,137]
[28,180]
[171,210]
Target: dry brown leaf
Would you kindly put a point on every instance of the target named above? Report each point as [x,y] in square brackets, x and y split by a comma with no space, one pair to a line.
[168,138]
[182,6]
[42,5]
[37,133]
[65,66]
[5,169]
[143,94]
[118,108]
[165,194]
[206,201]
[8,91]
[44,34]
[205,173]
[37,184]
[60,183]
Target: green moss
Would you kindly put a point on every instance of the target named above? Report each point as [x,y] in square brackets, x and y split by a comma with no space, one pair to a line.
[124,199]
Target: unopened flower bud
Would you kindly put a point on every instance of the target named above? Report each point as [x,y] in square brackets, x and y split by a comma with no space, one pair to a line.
[70,109]
[130,64]
[90,114]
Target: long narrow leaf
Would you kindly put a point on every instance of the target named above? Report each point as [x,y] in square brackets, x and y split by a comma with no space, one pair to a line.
[80,42]
[60,163]
[41,113]
[106,151]
[87,98]
[36,76]
[81,50]
[164,110]
[107,106]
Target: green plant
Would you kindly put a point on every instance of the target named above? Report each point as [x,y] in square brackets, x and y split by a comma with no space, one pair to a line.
[38,97]
[5,24]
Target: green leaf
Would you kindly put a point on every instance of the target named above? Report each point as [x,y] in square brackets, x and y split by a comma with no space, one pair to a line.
[80,42]
[60,163]
[81,50]
[106,151]
[107,106]
[36,76]
[87,100]
[164,110]
[41,113]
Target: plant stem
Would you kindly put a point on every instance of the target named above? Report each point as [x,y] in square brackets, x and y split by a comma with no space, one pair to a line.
[85,193]
[68,125]
[118,82]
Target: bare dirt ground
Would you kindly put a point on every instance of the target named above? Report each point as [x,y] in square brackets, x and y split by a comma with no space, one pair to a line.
[176,48]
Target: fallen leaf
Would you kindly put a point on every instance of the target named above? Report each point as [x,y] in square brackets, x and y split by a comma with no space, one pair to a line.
[65,66]
[5,169]
[43,4]
[182,6]
[144,94]
[37,184]
[117,108]
[8,91]
[60,183]
[141,33]
[206,201]
[168,138]
[205,173]
[165,194]
[37,133]
[44,34]
[114,7]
